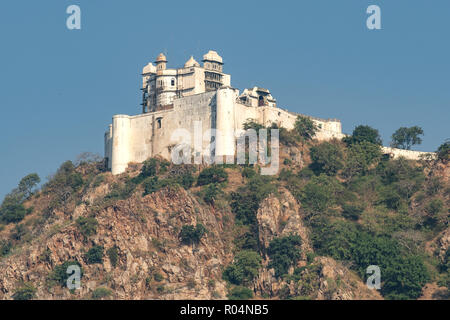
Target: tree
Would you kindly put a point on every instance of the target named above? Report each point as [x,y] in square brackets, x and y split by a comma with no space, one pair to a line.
[443,152]
[28,183]
[100,293]
[192,235]
[87,226]
[360,156]
[319,194]
[364,133]
[113,254]
[251,124]
[12,209]
[405,138]
[87,158]
[284,252]
[212,174]
[94,255]
[60,275]
[211,192]
[244,268]
[66,176]
[327,158]
[25,292]
[240,293]
[305,128]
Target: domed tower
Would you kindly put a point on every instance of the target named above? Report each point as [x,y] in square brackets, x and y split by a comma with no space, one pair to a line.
[213,65]
[165,82]
[161,62]
[191,63]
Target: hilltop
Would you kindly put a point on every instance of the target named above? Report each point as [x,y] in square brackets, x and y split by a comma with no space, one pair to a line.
[164,231]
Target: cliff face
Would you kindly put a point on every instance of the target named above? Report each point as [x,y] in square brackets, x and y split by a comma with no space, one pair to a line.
[282,216]
[145,230]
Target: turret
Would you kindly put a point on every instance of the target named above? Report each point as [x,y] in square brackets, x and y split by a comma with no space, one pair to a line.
[225,122]
[161,62]
[213,65]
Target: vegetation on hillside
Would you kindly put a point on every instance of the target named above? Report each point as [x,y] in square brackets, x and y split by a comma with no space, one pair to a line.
[360,207]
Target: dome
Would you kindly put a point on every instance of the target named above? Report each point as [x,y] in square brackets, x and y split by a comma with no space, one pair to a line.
[212,56]
[191,63]
[150,68]
[161,58]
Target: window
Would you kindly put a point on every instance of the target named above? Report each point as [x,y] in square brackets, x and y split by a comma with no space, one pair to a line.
[172,82]
[158,123]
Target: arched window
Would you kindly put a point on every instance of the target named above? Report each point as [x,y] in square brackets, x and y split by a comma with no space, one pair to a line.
[158,123]
[261,101]
[172,82]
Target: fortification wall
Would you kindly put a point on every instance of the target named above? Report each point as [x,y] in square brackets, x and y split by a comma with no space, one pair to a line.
[328,129]
[408,154]
[137,138]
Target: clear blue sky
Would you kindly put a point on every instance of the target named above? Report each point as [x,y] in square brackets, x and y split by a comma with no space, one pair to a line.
[60,88]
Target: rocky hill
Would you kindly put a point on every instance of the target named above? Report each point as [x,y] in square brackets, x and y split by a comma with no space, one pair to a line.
[161,231]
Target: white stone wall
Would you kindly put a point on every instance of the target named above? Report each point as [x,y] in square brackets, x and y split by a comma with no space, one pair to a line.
[225,145]
[267,115]
[137,138]
[408,154]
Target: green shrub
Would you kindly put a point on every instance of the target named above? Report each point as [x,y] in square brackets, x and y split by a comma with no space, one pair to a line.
[390,197]
[240,293]
[87,226]
[245,202]
[403,275]
[244,268]
[192,235]
[360,157]
[60,275]
[121,191]
[212,174]
[352,211]
[158,277]
[12,209]
[434,206]
[94,255]
[187,180]
[284,252]
[66,176]
[245,238]
[113,254]
[288,137]
[161,288]
[150,185]
[443,152]
[320,193]
[100,293]
[211,192]
[149,168]
[5,247]
[25,292]
[20,232]
[98,180]
[248,172]
[334,238]
[153,184]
